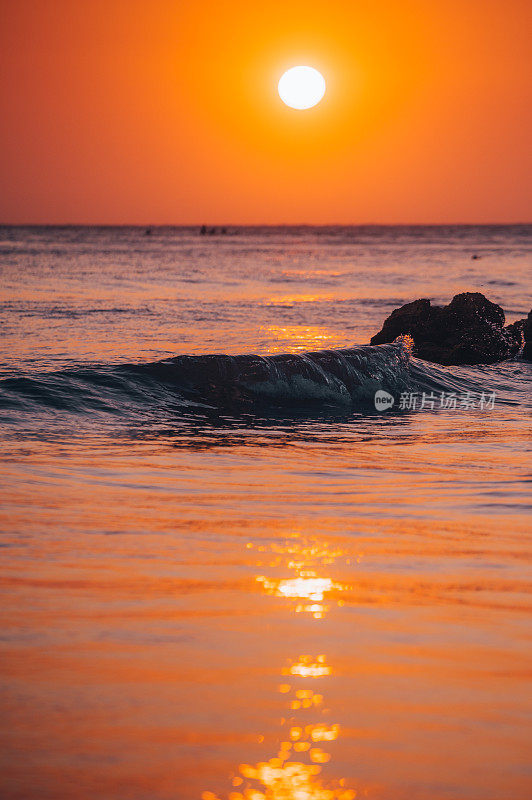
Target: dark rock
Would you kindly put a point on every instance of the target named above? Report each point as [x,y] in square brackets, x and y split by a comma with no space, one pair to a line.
[412,318]
[469,308]
[515,334]
[467,331]
[527,333]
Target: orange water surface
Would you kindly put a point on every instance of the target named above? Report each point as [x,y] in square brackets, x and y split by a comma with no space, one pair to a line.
[305,604]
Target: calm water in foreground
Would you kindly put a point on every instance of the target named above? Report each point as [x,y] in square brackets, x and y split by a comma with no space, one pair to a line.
[284,595]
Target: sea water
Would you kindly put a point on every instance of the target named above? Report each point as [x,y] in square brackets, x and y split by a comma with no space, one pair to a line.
[235,577]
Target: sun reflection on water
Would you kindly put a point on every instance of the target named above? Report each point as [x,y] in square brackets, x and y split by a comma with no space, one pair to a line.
[307,667]
[297,338]
[294,772]
[306,586]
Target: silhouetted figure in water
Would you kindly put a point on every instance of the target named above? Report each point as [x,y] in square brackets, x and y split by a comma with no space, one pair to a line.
[223,231]
[203,230]
[475,256]
[212,232]
[148,232]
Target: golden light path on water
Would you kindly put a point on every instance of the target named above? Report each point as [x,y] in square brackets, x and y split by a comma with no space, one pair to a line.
[306,585]
[295,771]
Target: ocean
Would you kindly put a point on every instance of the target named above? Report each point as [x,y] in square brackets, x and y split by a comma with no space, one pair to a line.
[227,576]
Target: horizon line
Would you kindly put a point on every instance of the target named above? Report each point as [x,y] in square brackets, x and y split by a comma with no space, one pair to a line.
[258,224]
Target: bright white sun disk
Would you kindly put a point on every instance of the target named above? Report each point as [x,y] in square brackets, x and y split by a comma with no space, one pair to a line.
[301,87]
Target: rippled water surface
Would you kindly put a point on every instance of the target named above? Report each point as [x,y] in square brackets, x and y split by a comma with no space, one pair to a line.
[224,586]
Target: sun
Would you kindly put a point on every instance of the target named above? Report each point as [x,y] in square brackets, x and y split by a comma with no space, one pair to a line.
[301,87]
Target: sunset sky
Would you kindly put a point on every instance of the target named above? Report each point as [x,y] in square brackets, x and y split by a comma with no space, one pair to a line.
[122,111]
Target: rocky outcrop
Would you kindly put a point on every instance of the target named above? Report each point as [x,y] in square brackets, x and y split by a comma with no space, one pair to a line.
[470,330]
[527,334]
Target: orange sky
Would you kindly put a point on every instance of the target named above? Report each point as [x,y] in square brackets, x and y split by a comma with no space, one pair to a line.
[122,111]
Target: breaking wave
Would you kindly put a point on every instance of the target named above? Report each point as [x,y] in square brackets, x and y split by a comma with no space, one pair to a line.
[345,377]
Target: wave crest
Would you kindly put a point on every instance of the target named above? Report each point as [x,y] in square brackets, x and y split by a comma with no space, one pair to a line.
[344,377]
